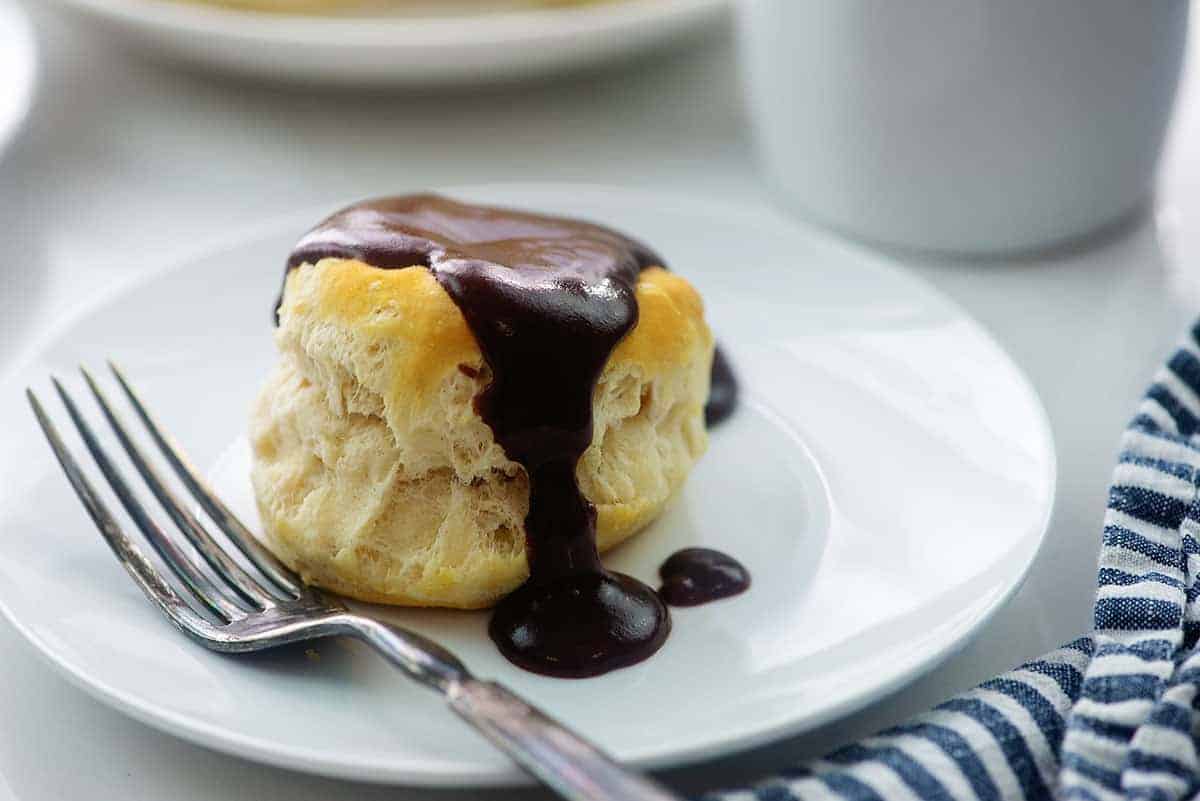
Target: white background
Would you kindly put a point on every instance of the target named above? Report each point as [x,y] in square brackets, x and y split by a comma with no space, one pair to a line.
[127,165]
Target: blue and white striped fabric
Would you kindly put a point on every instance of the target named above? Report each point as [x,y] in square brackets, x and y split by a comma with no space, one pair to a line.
[1112,715]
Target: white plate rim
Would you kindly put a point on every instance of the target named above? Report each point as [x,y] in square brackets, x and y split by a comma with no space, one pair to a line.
[312,761]
[420,33]
[20,63]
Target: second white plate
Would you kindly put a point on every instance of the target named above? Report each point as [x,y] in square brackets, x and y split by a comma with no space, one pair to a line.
[399,49]
[887,481]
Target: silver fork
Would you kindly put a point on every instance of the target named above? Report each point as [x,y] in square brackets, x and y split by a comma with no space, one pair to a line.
[230,609]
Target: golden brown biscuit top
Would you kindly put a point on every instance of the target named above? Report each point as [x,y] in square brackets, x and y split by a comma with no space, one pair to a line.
[408,307]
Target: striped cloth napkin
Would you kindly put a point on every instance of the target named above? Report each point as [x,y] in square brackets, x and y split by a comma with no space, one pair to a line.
[1112,715]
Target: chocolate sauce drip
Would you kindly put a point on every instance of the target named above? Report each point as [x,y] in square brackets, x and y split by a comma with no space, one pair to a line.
[696,576]
[547,300]
[722,392]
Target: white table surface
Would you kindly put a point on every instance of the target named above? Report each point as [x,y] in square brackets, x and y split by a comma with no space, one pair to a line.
[127,165]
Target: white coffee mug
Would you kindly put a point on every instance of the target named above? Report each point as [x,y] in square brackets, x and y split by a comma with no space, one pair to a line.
[978,126]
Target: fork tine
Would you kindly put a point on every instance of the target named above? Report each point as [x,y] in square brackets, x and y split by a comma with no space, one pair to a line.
[199,584]
[238,534]
[241,581]
[144,574]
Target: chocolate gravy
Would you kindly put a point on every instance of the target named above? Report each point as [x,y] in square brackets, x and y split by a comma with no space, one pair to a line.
[547,300]
[697,576]
[722,392]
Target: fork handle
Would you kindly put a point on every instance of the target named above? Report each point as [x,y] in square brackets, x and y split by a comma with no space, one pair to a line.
[552,753]
[564,761]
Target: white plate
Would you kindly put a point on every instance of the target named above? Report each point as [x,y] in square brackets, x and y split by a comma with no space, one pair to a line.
[887,481]
[400,49]
[18,69]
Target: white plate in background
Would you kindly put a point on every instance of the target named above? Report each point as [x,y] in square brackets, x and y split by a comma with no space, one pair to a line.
[18,70]
[400,49]
[887,480]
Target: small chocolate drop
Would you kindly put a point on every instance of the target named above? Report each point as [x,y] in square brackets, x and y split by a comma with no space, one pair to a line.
[697,576]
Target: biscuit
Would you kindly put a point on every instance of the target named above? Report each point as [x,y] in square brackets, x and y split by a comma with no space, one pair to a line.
[376,477]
